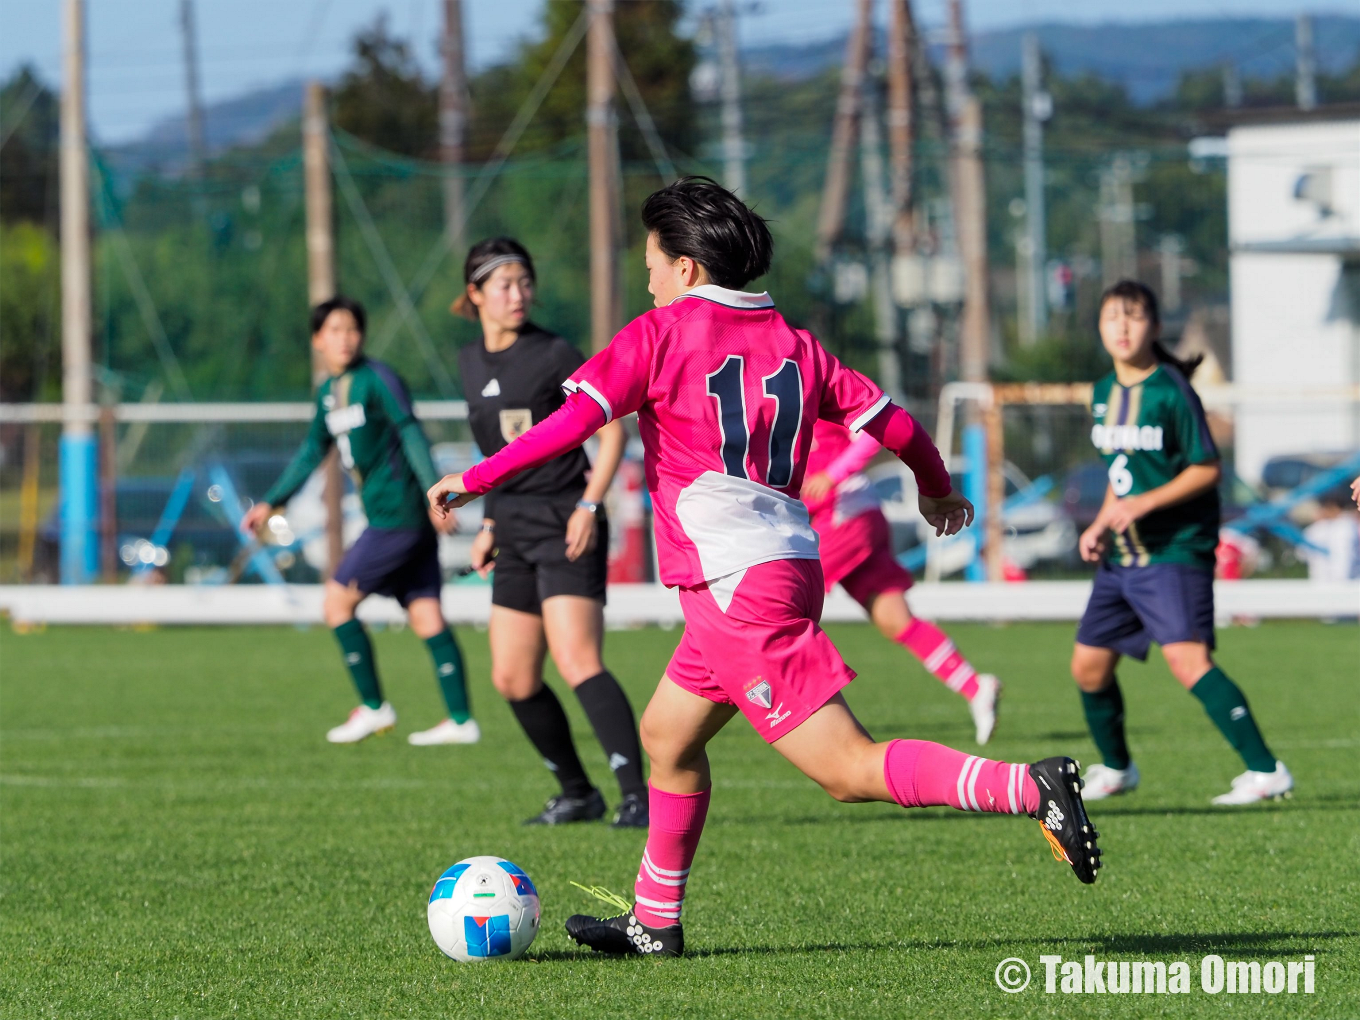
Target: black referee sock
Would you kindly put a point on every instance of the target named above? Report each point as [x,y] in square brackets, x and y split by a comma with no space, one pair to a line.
[611,715]
[545,724]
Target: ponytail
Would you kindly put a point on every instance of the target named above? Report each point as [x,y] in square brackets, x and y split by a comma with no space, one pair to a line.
[1141,294]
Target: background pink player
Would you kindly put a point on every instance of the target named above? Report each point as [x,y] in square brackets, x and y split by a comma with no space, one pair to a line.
[856,551]
[726,394]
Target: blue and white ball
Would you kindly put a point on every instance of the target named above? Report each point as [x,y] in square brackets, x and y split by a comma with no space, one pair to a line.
[483,908]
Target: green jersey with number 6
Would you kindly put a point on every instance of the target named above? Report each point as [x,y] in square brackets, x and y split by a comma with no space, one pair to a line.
[1147,434]
[366,413]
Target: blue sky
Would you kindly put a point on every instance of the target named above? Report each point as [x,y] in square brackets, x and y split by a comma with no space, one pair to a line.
[136,74]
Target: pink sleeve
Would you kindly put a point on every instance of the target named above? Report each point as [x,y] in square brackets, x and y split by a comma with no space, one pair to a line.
[848,398]
[563,430]
[618,377]
[853,458]
[900,433]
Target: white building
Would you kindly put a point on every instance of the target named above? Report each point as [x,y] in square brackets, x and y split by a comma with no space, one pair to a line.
[1294,233]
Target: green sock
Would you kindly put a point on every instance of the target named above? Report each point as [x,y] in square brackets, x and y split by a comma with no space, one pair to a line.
[448,670]
[1227,707]
[363,669]
[1105,717]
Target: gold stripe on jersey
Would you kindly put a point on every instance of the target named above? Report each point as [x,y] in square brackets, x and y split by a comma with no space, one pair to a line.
[1141,556]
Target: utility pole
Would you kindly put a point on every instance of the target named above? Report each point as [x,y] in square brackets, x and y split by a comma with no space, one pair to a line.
[602,127]
[1232,86]
[1305,64]
[78,454]
[901,129]
[194,106]
[1170,250]
[1038,107]
[316,173]
[831,220]
[453,111]
[1118,243]
[880,223]
[733,144]
[970,201]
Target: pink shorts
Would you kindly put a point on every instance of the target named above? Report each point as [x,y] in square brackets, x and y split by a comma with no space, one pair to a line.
[766,654]
[858,555]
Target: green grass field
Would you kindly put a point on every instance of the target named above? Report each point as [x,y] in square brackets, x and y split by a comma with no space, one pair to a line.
[178,840]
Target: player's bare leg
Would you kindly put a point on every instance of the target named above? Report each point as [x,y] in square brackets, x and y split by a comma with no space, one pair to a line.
[892,616]
[373,715]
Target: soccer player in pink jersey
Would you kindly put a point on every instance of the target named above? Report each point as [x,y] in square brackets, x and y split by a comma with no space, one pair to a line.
[726,394]
[856,552]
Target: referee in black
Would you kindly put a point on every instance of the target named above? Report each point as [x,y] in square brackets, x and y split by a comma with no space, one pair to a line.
[546,536]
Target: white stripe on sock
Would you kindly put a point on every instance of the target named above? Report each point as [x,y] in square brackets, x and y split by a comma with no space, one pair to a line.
[662,871]
[972,782]
[940,656]
[963,777]
[1010,789]
[652,872]
[660,906]
[959,677]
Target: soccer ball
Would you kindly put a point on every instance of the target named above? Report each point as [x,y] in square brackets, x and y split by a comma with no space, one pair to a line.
[483,908]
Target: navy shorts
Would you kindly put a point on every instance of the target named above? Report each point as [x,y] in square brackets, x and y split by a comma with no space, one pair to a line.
[531,553]
[400,562]
[1131,607]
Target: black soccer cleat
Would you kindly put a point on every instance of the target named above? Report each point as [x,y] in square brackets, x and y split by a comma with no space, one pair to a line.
[1062,816]
[632,813]
[625,935]
[563,809]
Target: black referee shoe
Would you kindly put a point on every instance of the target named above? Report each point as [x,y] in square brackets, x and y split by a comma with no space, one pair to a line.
[563,809]
[1062,816]
[625,935]
[633,812]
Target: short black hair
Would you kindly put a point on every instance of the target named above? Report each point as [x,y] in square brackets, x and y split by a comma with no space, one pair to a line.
[339,303]
[700,219]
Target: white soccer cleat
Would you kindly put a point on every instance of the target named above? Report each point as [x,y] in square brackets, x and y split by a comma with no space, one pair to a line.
[363,722]
[984,705]
[447,732]
[1101,781]
[1250,787]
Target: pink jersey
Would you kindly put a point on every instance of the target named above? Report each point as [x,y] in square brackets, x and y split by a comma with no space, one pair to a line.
[843,455]
[726,394]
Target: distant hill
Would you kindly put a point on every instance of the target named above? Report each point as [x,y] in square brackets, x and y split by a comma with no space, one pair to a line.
[1147,58]
[244,120]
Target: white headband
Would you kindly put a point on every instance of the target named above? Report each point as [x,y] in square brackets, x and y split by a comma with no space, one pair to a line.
[487,268]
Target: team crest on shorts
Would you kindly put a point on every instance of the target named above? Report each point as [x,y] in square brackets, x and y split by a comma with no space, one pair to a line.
[760,694]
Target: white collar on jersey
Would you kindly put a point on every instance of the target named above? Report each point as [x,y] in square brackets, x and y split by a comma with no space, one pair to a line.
[730,298]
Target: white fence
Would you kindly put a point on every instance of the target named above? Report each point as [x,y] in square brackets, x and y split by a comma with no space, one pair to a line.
[629,604]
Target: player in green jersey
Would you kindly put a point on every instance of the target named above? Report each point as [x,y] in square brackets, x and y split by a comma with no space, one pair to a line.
[1154,540]
[364,410]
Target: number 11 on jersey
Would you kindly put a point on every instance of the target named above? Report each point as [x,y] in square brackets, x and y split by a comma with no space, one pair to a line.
[785,387]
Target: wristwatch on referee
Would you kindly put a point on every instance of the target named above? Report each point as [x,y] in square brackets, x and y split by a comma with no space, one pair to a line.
[585,504]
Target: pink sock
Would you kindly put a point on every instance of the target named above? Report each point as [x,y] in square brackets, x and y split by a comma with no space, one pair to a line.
[677,822]
[922,774]
[938,654]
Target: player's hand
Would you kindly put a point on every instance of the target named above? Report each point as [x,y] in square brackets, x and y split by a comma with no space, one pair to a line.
[1355,491]
[444,525]
[948,515]
[483,552]
[255,518]
[1092,543]
[816,487]
[581,531]
[1123,512]
[447,495]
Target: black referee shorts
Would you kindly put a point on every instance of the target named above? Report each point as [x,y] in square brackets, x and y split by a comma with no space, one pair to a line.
[531,557]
